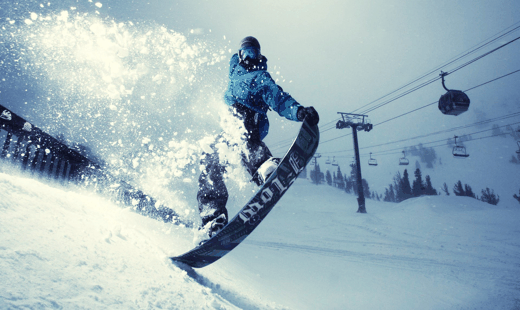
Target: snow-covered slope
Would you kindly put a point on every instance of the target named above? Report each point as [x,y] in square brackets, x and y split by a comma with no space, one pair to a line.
[64,248]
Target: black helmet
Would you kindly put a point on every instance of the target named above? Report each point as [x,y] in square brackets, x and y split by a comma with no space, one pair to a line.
[249,48]
[250,42]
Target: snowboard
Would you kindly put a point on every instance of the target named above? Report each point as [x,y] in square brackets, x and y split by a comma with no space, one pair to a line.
[295,160]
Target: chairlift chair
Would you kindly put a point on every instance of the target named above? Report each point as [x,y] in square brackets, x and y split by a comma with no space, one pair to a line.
[334,162]
[459,150]
[327,162]
[453,102]
[403,161]
[518,142]
[372,161]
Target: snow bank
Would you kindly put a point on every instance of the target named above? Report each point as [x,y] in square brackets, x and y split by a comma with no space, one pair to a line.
[66,249]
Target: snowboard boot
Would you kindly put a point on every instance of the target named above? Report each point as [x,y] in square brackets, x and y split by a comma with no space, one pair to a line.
[265,170]
[217,224]
[212,228]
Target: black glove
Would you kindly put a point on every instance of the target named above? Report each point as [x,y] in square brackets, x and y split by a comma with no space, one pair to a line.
[310,113]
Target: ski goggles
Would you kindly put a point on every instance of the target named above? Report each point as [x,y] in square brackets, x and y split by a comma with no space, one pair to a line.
[249,52]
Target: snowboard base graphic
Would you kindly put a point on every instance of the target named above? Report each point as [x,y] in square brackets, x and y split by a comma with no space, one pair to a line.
[294,161]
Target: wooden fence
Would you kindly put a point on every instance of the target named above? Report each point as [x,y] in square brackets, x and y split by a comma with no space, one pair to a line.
[27,146]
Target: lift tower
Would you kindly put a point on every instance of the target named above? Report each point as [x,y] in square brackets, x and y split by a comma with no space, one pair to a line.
[357,122]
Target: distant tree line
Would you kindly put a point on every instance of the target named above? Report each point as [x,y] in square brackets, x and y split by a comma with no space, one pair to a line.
[401,190]
[316,175]
[345,182]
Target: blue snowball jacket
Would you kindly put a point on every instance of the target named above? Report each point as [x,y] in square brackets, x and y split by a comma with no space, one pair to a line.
[256,89]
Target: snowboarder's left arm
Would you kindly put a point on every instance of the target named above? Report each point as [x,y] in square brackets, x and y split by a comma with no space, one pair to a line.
[278,100]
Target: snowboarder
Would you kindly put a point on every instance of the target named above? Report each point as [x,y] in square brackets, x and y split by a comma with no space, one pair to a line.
[251,93]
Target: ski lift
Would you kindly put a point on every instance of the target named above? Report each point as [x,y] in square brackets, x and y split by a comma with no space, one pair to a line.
[334,162]
[518,142]
[372,161]
[459,150]
[403,161]
[454,102]
[327,162]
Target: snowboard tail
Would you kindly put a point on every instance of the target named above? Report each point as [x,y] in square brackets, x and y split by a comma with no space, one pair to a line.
[299,155]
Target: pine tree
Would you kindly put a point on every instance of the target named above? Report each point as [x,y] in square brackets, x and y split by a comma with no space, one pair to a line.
[406,190]
[469,191]
[517,197]
[458,189]
[316,174]
[328,177]
[397,187]
[339,179]
[390,194]
[489,196]
[348,184]
[387,195]
[375,196]
[418,185]
[429,187]
[393,196]
[445,189]
[366,188]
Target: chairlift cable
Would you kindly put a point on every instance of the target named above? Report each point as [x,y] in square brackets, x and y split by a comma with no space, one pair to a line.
[396,151]
[429,104]
[482,56]
[472,50]
[491,81]
[437,78]
[391,119]
[401,95]
[443,144]
[451,129]
[472,133]
[435,133]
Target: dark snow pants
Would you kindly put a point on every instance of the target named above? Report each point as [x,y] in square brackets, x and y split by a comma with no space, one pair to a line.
[212,195]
